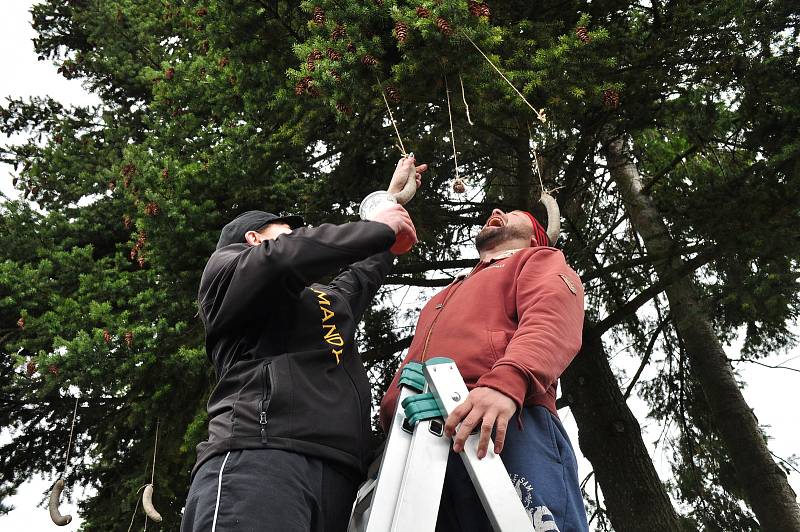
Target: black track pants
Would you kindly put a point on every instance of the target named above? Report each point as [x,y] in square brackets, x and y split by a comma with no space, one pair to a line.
[268,490]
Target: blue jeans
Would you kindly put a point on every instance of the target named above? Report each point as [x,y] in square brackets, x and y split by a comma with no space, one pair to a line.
[540,460]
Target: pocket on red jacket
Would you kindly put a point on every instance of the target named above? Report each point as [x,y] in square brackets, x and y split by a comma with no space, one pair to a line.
[498,341]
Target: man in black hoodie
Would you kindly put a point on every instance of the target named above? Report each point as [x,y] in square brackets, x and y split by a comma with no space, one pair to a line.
[289,419]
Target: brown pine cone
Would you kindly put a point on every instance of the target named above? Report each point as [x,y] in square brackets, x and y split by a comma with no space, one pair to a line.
[333,55]
[485,11]
[315,55]
[369,60]
[30,368]
[312,89]
[106,336]
[128,338]
[21,323]
[53,370]
[152,209]
[335,75]
[126,222]
[301,86]
[344,108]
[351,47]
[474,8]
[378,2]
[338,32]
[201,12]
[392,94]
[169,73]
[401,32]
[422,12]
[223,62]
[583,34]
[165,173]
[319,16]
[444,26]
[459,187]
[112,185]
[611,98]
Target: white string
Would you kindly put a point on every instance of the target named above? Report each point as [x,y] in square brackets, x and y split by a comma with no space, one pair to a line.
[69,445]
[464,97]
[391,117]
[452,134]
[539,114]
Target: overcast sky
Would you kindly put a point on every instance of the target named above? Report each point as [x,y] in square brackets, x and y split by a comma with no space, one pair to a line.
[774,394]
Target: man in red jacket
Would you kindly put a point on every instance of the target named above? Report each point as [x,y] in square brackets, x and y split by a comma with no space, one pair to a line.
[512,325]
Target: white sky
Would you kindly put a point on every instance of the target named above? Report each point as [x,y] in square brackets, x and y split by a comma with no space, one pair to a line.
[772,393]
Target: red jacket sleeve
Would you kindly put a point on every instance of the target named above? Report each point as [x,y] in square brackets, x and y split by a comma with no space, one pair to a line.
[549,303]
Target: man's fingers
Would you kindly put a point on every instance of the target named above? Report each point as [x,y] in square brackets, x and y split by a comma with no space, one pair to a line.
[500,433]
[469,423]
[486,434]
[455,417]
[421,168]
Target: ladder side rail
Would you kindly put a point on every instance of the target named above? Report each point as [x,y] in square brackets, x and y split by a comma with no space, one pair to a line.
[421,490]
[489,475]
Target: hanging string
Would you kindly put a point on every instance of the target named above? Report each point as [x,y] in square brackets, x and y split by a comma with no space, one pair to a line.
[536,160]
[69,444]
[155,449]
[452,134]
[539,114]
[464,97]
[391,116]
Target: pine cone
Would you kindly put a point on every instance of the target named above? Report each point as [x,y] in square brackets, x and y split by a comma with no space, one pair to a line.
[152,209]
[485,11]
[351,47]
[474,8]
[444,26]
[140,261]
[128,338]
[301,86]
[335,75]
[53,370]
[312,89]
[128,170]
[422,12]
[401,32]
[333,55]
[112,185]
[315,55]
[21,323]
[369,60]
[583,34]
[169,73]
[319,16]
[344,108]
[126,221]
[338,33]
[392,94]
[106,336]
[30,368]
[165,173]
[459,187]
[611,98]
[201,12]
[223,62]
[378,3]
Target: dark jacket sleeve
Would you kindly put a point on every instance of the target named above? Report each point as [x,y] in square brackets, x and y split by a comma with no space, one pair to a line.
[240,279]
[361,280]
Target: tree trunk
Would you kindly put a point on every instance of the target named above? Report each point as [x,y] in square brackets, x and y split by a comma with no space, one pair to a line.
[765,484]
[611,439]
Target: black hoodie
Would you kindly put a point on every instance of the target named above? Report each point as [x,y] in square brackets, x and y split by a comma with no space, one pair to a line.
[289,376]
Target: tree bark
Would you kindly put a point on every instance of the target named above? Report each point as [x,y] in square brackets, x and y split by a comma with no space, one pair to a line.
[611,439]
[764,482]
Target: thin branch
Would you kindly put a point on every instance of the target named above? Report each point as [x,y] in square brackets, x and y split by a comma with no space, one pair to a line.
[419,267]
[762,364]
[626,310]
[646,358]
[371,355]
[410,281]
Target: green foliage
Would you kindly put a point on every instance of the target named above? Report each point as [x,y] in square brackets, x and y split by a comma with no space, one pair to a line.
[211,108]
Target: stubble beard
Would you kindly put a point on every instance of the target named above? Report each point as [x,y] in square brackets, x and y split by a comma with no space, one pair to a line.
[490,237]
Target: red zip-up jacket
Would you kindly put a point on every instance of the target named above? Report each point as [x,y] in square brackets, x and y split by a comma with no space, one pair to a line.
[514,324]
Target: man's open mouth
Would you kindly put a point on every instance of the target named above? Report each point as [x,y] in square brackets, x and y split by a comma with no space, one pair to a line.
[495,221]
